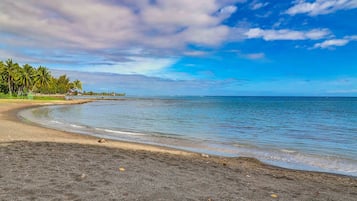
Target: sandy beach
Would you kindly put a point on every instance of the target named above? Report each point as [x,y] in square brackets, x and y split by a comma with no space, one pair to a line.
[44,164]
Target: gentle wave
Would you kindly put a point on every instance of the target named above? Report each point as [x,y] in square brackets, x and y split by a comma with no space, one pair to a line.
[119,132]
[297,160]
[56,122]
[288,151]
[76,126]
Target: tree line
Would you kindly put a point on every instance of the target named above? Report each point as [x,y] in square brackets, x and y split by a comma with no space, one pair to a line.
[17,80]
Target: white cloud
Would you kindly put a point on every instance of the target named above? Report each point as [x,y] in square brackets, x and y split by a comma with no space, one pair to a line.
[353,37]
[321,7]
[195,53]
[180,13]
[228,10]
[331,43]
[137,65]
[258,5]
[254,56]
[101,24]
[316,34]
[162,28]
[335,42]
[287,34]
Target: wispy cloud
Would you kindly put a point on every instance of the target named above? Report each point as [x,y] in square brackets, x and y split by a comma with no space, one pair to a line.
[138,84]
[353,37]
[255,5]
[331,43]
[254,56]
[227,11]
[321,7]
[195,53]
[137,65]
[287,34]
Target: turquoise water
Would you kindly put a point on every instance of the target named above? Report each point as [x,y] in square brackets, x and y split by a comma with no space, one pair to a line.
[317,134]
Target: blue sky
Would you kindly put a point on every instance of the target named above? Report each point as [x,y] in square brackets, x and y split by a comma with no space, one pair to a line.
[185,47]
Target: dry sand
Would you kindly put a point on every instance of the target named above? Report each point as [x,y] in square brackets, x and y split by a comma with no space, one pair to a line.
[43,164]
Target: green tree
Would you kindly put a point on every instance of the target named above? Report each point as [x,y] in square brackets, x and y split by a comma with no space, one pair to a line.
[63,84]
[26,77]
[77,85]
[42,78]
[9,73]
[53,87]
[14,78]
[3,86]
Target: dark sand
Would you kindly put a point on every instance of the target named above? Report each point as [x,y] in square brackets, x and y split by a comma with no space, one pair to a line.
[58,168]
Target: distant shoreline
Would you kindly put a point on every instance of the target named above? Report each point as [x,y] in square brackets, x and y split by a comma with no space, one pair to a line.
[95,97]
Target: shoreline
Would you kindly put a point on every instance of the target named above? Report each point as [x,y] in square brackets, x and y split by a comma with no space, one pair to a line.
[12,114]
[263,180]
[70,137]
[185,145]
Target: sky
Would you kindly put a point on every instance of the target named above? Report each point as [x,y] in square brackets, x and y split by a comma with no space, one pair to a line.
[189,47]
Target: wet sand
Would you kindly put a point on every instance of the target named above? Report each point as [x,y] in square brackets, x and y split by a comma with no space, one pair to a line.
[44,164]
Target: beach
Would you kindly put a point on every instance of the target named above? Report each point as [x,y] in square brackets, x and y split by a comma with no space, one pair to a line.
[44,164]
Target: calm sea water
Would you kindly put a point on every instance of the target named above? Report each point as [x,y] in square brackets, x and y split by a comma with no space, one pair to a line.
[317,134]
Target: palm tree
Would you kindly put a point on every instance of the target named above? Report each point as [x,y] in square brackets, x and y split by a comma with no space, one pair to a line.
[63,84]
[42,77]
[2,78]
[77,85]
[2,72]
[26,77]
[9,70]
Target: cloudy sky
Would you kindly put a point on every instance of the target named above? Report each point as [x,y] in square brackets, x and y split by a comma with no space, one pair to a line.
[189,47]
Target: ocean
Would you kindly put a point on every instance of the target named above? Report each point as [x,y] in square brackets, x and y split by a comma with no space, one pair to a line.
[307,133]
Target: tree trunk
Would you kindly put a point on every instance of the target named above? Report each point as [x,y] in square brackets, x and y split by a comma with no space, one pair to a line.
[9,85]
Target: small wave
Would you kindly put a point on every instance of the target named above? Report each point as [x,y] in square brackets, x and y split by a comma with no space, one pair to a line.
[76,126]
[287,151]
[298,160]
[56,122]
[329,163]
[119,132]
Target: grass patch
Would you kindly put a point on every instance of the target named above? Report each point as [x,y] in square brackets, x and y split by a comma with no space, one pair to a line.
[44,97]
[48,98]
[7,96]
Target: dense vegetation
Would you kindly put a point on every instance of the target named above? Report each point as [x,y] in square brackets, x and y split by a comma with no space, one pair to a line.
[91,93]
[16,80]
